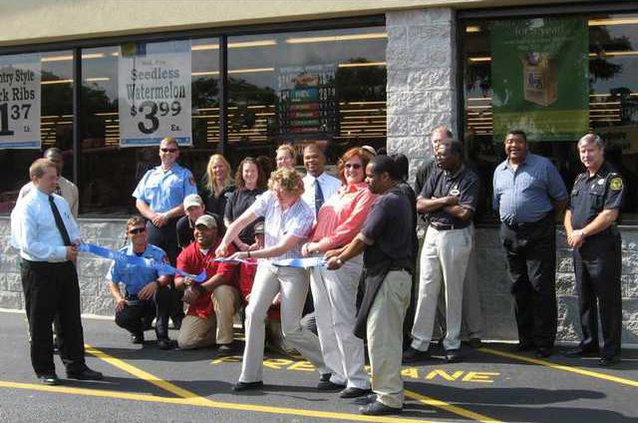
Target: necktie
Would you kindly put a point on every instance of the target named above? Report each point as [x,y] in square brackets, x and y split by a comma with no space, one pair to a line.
[58,222]
[318,196]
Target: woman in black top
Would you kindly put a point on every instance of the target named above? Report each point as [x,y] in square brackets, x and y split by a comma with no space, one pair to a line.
[218,184]
[250,181]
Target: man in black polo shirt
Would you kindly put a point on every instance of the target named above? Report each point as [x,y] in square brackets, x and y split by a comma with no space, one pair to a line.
[449,198]
[591,232]
[386,237]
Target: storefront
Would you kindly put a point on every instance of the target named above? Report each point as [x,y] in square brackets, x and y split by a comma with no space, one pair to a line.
[242,82]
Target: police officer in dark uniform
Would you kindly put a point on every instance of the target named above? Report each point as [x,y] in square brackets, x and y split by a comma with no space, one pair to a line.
[591,232]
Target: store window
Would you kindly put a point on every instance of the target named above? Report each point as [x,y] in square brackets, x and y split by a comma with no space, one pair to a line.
[112,161]
[26,81]
[322,86]
[580,73]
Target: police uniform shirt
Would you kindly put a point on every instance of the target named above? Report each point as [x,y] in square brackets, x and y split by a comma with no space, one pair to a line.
[593,194]
[464,184]
[137,277]
[165,190]
[34,231]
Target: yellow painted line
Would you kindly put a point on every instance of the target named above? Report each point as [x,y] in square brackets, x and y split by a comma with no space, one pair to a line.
[191,398]
[450,408]
[577,370]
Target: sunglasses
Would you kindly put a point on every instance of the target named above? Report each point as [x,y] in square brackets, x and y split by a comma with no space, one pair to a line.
[136,231]
[168,150]
[353,166]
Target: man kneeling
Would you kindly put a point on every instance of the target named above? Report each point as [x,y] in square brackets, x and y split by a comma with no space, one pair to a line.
[146,289]
[217,293]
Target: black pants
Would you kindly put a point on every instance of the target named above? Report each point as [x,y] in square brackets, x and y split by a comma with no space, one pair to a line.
[597,265]
[166,238]
[50,289]
[531,262]
[136,312]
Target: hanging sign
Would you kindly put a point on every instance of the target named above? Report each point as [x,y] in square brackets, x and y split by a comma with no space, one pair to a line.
[20,78]
[154,93]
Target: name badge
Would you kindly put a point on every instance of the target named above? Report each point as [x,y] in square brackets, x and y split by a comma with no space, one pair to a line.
[455,191]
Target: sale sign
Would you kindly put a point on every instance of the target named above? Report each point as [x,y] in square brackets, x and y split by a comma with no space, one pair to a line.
[20,77]
[154,93]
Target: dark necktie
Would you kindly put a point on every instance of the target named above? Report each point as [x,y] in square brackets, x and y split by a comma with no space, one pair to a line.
[59,222]
[318,196]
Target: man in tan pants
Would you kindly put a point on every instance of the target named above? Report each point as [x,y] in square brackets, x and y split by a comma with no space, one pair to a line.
[217,293]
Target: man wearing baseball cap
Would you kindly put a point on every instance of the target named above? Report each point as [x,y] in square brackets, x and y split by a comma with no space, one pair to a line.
[194,208]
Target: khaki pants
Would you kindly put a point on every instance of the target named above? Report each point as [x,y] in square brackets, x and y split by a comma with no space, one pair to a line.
[198,332]
[385,337]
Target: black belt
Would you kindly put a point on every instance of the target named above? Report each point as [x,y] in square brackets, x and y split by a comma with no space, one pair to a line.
[399,269]
[446,226]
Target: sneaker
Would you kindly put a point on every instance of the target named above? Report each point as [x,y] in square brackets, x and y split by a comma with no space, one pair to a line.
[412,355]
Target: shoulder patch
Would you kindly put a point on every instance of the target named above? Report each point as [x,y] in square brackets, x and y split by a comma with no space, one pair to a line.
[615,184]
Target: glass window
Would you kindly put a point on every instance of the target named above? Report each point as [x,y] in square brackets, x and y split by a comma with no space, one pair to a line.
[56,125]
[612,97]
[109,172]
[324,86]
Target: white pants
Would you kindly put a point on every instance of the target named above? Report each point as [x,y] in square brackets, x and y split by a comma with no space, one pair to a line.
[444,259]
[335,298]
[385,337]
[293,285]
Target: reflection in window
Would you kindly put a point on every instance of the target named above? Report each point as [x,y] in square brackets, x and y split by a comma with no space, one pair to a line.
[613,104]
[324,86]
[56,126]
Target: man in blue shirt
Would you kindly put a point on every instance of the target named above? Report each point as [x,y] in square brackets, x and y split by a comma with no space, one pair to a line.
[147,292]
[528,194]
[44,231]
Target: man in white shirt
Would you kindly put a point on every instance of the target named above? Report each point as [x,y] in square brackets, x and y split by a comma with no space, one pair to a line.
[318,185]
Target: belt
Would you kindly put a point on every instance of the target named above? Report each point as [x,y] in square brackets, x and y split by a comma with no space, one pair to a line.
[446,226]
[399,269]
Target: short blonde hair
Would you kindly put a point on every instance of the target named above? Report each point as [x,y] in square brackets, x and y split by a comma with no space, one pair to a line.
[39,166]
[288,179]
[170,140]
[134,221]
[290,150]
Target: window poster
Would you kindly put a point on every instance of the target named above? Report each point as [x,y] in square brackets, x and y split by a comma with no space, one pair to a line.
[20,77]
[154,93]
[308,106]
[540,78]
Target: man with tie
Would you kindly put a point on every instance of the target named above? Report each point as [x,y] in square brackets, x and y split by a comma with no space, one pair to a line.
[47,236]
[318,185]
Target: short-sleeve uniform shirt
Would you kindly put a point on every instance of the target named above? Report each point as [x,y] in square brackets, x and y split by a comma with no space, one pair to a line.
[464,184]
[593,194]
[165,190]
[136,277]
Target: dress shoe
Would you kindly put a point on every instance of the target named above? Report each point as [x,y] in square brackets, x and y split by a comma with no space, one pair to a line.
[379,409]
[225,350]
[412,355]
[49,379]
[543,352]
[247,386]
[325,377]
[369,399]
[85,374]
[329,386]
[166,344]
[354,392]
[609,361]
[475,343]
[523,346]
[177,321]
[137,338]
[453,356]
[581,352]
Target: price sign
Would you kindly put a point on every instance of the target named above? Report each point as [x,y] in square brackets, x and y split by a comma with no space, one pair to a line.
[155,94]
[20,77]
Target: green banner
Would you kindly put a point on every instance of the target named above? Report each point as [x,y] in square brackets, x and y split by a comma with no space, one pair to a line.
[540,78]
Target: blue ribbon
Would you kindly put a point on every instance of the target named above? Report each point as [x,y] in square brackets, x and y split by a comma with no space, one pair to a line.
[303,263]
[126,260]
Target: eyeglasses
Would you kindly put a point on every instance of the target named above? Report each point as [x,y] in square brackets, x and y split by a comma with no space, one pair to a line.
[168,150]
[353,166]
[136,231]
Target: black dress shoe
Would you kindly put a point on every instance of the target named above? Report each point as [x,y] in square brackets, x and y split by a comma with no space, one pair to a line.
[609,361]
[379,409]
[85,374]
[325,377]
[475,343]
[412,355]
[137,338]
[581,352]
[543,352]
[453,356]
[354,392]
[247,386]
[523,346]
[225,350]
[166,344]
[329,386]
[366,400]
[49,379]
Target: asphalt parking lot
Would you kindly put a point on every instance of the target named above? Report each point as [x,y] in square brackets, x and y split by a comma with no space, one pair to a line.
[145,384]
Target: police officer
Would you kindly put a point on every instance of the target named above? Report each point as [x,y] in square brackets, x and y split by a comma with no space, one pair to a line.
[591,232]
[159,197]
